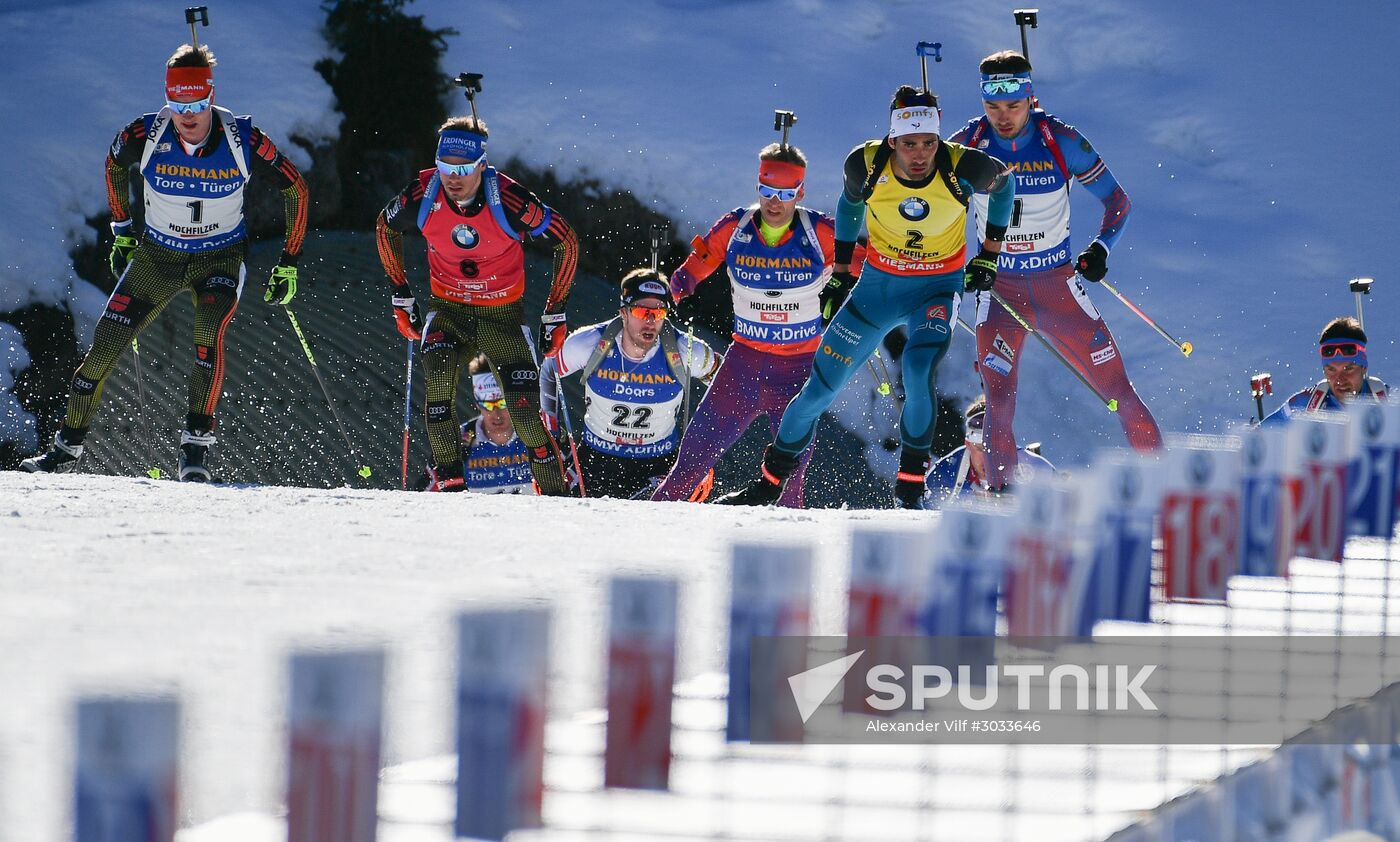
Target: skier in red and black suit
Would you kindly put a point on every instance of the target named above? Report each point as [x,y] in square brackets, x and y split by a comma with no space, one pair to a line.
[475,219]
[195,159]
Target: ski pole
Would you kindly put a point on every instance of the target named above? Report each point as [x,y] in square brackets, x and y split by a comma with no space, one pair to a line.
[1111,403]
[196,15]
[362,470]
[563,404]
[1184,347]
[407,415]
[1260,385]
[154,472]
[1025,18]
[1360,287]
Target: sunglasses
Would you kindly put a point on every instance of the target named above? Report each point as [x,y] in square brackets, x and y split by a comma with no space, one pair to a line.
[782,194]
[648,314]
[492,406]
[1004,86]
[458,169]
[1341,349]
[197,107]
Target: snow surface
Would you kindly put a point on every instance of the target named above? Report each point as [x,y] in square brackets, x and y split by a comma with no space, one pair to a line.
[127,585]
[1223,122]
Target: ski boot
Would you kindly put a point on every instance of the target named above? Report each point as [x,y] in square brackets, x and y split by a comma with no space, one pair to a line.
[764,491]
[61,458]
[446,478]
[910,487]
[194,449]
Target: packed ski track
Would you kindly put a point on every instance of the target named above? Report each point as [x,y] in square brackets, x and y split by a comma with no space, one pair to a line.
[135,584]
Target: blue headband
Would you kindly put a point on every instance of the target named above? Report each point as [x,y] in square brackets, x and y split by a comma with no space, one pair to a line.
[1003,86]
[461,144]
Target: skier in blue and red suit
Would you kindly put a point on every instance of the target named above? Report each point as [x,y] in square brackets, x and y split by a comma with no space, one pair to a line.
[1038,274]
[1342,350]
[779,258]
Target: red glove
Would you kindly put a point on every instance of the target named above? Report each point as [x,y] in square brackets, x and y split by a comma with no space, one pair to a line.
[408,318]
[553,331]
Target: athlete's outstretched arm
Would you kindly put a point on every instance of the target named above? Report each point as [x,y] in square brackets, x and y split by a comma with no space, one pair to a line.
[398,217]
[706,256]
[850,207]
[268,160]
[1090,170]
[535,219]
[985,174]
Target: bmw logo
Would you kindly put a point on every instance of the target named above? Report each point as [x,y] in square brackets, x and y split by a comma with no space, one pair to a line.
[465,236]
[970,535]
[913,208]
[1200,468]
[1254,451]
[1129,485]
[1317,441]
[1373,422]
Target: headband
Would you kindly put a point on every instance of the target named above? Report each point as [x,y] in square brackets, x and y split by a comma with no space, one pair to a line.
[183,81]
[461,144]
[781,174]
[914,119]
[485,387]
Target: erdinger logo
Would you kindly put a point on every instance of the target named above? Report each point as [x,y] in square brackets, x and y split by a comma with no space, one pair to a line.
[465,236]
[1200,469]
[913,208]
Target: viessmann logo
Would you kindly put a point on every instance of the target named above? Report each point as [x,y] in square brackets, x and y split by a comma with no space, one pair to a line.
[1118,687]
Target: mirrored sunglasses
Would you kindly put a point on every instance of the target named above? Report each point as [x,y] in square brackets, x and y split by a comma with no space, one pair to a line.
[458,169]
[197,107]
[492,406]
[648,313]
[782,194]
[993,87]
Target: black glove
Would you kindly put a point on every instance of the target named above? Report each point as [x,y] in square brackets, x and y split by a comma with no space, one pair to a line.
[122,248]
[1092,263]
[981,272]
[834,294]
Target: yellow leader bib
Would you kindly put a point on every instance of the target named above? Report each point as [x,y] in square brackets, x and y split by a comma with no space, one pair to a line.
[915,231]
